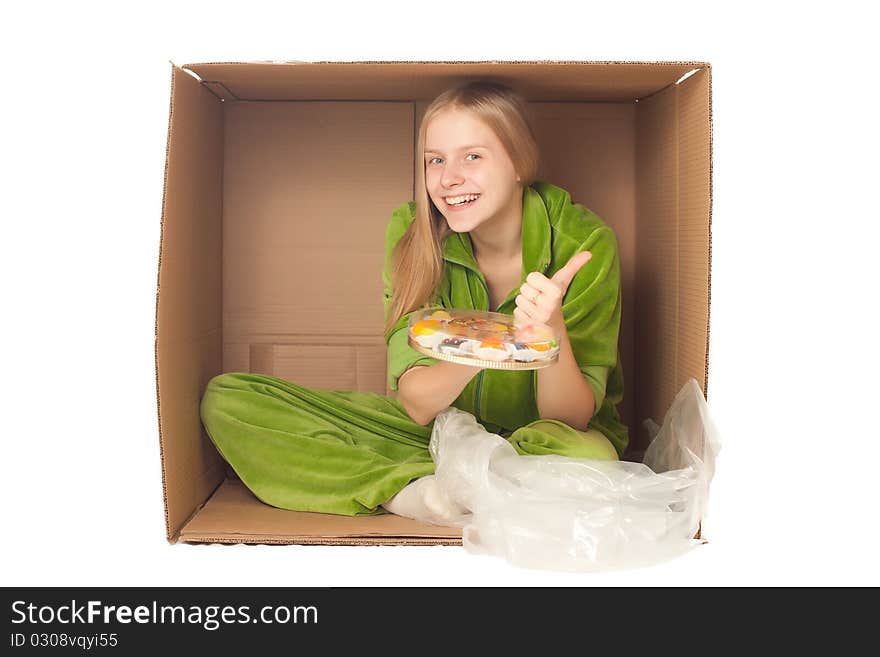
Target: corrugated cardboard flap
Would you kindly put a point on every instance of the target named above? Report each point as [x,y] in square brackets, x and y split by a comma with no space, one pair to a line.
[537,80]
[673,242]
[189,297]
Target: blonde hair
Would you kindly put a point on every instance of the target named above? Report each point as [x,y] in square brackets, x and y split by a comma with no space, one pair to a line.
[417,260]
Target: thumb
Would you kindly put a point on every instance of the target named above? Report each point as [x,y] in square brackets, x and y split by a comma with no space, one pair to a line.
[565,275]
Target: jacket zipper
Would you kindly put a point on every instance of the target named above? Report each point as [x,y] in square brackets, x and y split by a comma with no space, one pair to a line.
[479,392]
[479,387]
[478,395]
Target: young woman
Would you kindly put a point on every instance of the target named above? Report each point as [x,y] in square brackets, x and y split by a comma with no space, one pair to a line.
[482,234]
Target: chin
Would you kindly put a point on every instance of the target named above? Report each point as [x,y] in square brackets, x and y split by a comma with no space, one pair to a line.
[461,225]
[456,226]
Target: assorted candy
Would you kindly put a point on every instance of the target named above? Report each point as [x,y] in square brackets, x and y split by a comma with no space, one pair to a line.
[482,336]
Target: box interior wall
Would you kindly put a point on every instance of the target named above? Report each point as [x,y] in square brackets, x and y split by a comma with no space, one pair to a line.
[277,171]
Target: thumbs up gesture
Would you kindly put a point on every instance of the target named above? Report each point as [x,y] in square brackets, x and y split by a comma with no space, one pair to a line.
[540,298]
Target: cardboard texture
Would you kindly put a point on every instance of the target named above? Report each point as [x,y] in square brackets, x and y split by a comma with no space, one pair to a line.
[263,158]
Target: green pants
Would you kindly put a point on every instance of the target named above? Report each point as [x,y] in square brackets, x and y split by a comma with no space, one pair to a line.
[341,452]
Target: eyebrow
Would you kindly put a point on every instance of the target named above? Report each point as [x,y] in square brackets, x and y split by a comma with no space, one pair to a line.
[463,148]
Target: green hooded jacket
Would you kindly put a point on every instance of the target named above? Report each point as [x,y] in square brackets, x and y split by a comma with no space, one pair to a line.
[553,230]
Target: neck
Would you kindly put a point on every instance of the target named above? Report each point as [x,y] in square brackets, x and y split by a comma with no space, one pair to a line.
[500,238]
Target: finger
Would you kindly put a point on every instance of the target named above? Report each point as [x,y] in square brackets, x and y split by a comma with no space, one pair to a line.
[529,291]
[520,318]
[545,304]
[534,313]
[544,285]
[526,305]
[565,275]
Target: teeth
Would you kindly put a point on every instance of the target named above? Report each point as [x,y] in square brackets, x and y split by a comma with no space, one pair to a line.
[456,200]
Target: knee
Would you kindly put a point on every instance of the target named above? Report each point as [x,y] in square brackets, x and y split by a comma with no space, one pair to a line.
[598,445]
[217,391]
[234,393]
[219,383]
[227,380]
[238,381]
[555,437]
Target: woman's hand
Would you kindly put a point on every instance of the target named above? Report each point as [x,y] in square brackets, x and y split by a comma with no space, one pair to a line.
[540,298]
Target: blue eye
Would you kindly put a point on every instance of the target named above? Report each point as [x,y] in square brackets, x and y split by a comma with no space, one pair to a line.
[474,154]
[431,160]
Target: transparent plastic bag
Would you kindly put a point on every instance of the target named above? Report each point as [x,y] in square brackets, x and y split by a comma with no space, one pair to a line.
[577,514]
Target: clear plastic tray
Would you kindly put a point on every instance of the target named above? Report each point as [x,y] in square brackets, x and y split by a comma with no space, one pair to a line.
[482,339]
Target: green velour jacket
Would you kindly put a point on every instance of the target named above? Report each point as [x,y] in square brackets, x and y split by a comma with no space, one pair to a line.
[553,230]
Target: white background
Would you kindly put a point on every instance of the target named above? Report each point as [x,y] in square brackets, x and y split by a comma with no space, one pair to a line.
[794,359]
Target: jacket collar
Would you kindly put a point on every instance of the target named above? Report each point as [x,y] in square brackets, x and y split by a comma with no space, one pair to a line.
[536,233]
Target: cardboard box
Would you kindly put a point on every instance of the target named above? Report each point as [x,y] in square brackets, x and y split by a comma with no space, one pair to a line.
[263,157]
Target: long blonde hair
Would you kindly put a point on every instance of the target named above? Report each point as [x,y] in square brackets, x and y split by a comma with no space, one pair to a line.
[417,260]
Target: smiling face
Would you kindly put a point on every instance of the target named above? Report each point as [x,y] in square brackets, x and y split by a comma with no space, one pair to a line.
[468,173]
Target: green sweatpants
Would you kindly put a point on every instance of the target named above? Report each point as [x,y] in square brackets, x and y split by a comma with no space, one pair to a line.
[341,452]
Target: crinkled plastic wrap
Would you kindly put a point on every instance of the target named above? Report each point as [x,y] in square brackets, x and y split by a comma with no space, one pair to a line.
[576,514]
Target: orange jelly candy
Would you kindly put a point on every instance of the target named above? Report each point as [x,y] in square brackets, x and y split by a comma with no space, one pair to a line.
[427,327]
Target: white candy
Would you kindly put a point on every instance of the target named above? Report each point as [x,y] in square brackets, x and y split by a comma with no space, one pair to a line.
[489,353]
[432,340]
[523,355]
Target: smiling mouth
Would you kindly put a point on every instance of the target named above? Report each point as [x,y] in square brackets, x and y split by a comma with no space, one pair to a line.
[462,201]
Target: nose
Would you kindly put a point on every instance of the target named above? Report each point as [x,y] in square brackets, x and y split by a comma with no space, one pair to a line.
[451,176]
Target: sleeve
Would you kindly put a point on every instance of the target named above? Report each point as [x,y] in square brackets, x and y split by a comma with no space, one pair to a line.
[401,356]
[591,309]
